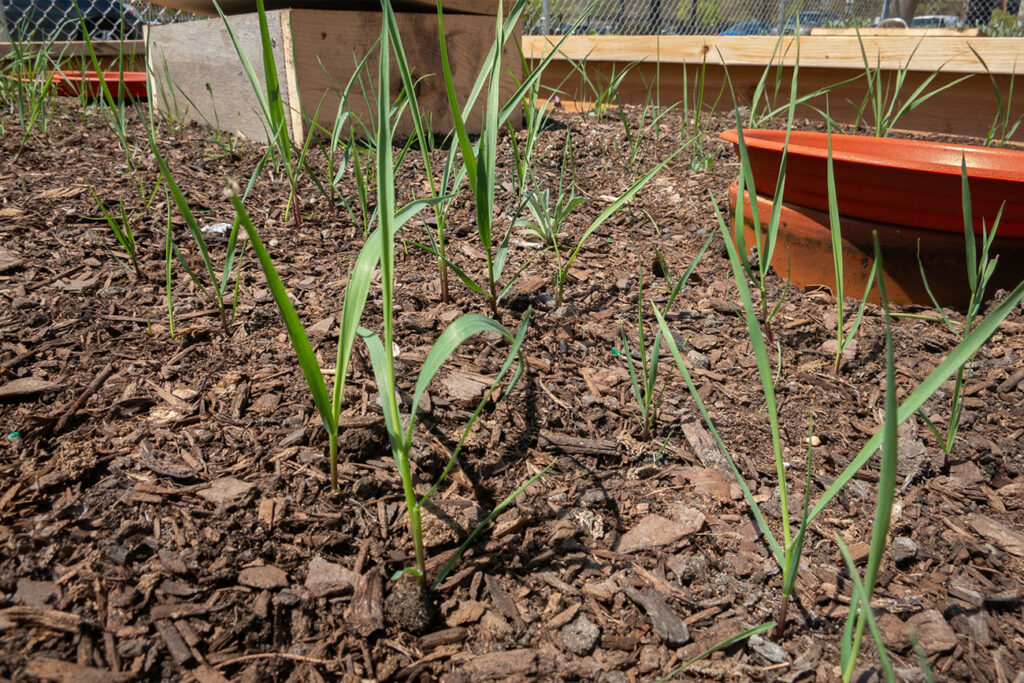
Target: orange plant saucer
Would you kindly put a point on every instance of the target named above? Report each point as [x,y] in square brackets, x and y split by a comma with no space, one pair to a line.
[74,82]
[912,183]
[803,255]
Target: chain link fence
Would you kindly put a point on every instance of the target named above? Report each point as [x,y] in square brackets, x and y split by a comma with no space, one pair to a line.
[745,17]
[44,20]
[58,20]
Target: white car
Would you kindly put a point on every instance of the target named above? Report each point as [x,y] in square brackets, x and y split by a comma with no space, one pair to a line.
[936,21]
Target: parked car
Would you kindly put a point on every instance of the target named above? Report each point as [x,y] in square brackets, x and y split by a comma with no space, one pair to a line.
[748,28]
[58,20]
[812,19]
[936,21]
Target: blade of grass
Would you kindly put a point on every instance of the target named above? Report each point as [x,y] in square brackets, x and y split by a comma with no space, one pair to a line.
[917,398]
[728,642]
[886,478]
[857,596]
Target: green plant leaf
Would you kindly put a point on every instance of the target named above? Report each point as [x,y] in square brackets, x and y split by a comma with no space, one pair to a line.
[453,336]
[728,642]
[509,499]
[609,211]
[296,332]
[755,509]
[858,597]
[917,398]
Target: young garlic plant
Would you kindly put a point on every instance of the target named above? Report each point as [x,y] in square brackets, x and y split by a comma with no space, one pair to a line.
[379,249]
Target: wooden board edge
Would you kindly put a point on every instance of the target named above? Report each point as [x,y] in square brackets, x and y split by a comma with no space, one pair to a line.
[949,54]
[103,48]
[900,32]
[298,132]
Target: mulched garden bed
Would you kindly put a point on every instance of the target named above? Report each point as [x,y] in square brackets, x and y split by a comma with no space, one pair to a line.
[166,514]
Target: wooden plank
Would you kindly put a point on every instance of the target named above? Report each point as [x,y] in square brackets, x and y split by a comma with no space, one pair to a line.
[900,32]
[488,7]
[103,48]
[952,55]
[966,109]
[339,40]
[316,53]
[201,61]
[230,7]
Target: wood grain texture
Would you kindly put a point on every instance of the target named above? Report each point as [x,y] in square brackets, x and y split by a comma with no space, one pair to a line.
[900,32]
[229,7]
[951,54]
[133,53]
[204,67]
[965,109]
[316,52]
[339,40]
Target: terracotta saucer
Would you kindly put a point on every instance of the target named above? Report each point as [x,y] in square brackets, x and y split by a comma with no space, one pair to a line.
[906,182]
[73,82]
[803,255]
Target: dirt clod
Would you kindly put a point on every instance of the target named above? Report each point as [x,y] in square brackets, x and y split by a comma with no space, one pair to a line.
[580,636]
[408,605]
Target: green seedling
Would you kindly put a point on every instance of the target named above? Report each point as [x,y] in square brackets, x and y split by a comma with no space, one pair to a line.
[122,229]
[765,238]
[425,138]
[842,341]
[116,111]
[479,159]
[635,138]
[169,268]
[337,154]
[601,95]
[643,371]
[272,109]
[565,267]
[860,603]
[379,248]
[1003,128]
[26,86]
[787,551]
[980,266]
[218,284]
[535,118]
[760,118]
[173,112]
[400,433]
[363,171]
[921,655]
[694,127]
[889,106]
[727,643]
[547,217]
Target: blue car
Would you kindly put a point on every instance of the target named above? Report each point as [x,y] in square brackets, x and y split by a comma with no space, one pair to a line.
[748,28]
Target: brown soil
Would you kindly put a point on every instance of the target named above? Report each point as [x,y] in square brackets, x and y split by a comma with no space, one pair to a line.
[166,512]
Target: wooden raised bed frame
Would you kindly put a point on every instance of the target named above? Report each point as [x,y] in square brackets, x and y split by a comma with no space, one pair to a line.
[965,109]
[316,52]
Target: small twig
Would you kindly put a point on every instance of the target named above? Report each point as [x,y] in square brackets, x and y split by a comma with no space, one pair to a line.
[79,403]
[22,357]
[70,271]
[578,446]
[274,655]
[552,396]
